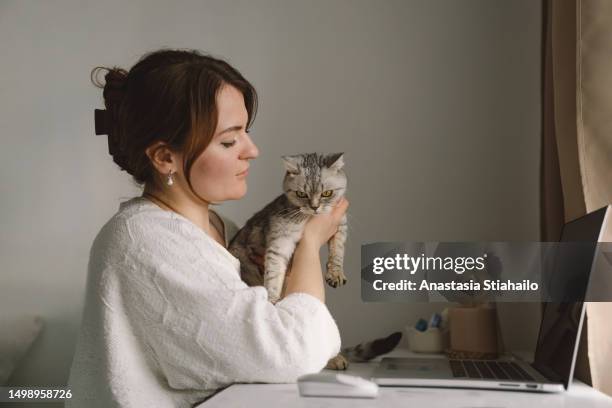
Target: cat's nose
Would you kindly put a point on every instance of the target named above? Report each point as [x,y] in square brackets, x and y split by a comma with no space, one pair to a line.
[315,207]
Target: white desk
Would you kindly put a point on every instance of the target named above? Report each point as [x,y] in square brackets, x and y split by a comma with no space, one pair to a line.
[286,395]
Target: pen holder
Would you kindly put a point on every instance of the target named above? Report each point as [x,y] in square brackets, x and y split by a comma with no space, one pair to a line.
[432,340]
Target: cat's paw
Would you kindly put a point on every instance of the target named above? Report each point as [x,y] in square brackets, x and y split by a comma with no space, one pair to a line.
[337,363]
[335,276]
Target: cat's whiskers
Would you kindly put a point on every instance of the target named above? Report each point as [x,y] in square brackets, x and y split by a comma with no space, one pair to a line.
[293,214]
[285,211]
[288,211]
[299,215]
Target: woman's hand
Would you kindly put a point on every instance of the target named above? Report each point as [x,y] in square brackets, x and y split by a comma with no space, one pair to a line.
[321,227]
[306,275]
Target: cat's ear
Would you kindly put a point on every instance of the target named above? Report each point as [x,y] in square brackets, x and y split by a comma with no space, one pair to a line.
[291,164]
[335,161]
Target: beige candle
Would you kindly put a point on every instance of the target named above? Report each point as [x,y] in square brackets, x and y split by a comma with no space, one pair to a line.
[473,329]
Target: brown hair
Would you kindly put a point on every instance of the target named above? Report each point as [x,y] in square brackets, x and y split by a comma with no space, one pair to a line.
[170,96]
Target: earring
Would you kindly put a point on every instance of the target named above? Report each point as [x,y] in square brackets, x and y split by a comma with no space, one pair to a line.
[169,180]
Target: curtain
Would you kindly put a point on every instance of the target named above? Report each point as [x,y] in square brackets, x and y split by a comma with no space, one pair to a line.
[576,156]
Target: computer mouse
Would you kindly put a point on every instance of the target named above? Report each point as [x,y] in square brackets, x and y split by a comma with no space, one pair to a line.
[336,385]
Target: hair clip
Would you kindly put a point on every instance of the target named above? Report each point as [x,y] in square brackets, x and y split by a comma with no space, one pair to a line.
[101,121]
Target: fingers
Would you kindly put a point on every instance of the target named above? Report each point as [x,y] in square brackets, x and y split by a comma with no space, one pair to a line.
[340,208]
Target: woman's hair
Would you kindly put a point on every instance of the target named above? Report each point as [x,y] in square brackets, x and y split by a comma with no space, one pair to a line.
[169,96]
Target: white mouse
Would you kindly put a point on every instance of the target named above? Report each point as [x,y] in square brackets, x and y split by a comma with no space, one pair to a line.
[336,385]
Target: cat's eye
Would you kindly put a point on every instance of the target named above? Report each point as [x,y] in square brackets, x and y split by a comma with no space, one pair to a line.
[301,194]
[327,193]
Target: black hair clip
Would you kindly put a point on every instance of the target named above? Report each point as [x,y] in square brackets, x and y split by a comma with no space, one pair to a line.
[101,121]
[102,128]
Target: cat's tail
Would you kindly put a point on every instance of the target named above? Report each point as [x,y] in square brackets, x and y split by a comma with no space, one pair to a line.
[368,350]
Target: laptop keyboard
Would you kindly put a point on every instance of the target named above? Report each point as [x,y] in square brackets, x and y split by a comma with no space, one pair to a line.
[489,369]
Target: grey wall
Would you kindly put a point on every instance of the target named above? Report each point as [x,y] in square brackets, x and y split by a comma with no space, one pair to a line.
[436,104]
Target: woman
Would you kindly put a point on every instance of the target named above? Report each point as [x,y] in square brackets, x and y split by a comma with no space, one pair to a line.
[167,319]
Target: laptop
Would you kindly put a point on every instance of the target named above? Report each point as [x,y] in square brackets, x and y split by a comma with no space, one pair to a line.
[557,346]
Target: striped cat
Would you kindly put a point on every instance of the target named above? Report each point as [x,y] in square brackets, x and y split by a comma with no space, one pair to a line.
[313,184]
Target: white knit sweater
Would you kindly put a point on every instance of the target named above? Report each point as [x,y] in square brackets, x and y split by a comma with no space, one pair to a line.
[167,319]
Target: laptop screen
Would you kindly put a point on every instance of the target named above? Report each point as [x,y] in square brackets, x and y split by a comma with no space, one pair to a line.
[561,322]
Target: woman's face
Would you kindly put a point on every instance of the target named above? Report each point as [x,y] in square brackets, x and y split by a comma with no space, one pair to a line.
[218,174]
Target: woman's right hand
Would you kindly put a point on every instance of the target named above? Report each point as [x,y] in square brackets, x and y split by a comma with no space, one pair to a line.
[321,227]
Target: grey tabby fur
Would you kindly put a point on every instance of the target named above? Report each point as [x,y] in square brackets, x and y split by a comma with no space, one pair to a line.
[273,232]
